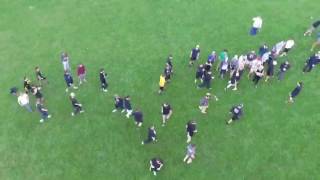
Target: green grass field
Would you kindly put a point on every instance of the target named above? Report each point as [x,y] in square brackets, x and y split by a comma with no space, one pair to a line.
[131,40]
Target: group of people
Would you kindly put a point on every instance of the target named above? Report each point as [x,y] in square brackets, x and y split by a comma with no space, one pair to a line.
[259,64]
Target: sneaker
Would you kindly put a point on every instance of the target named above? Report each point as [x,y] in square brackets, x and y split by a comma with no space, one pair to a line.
[115,110]
[105,90]
[67,89]
[72,114]
[75,87]
[154,173]
[234,89]
[142,143]
[49,116]
[122,111]
[82,111]
[41,120]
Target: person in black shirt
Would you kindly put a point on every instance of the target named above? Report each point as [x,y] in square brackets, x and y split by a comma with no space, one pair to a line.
[206,80]
[138,117]
[234,80]
[236,113]
[284,67]
[199,73]
[118,104]
[311,62]
[194,55]
[37,93]
[127,106]
[191,128]
[258,75]
[103,80]
[155,165]
[27,85]
[152,136]
[43,111]
[270,68]
[169,62]
[40,77]
[167,73]
[77,107]
[166,113]
[296,91]
[313,27]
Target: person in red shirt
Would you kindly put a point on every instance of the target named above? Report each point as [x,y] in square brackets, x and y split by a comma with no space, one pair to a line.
[81,71]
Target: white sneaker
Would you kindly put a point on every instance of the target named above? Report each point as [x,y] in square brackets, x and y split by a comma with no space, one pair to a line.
[75,87]
[72,114]
[67,89]
[105,90]
[82,111]
[234,89]
[122,111]
[115,110]
[41,120]
[49,116]
[142,143]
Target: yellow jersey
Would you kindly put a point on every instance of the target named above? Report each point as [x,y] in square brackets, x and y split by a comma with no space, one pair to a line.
[162,81]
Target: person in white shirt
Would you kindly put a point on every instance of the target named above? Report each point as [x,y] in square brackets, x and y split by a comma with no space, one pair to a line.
[277,49]
[23,100]
[289,44]
[256,25]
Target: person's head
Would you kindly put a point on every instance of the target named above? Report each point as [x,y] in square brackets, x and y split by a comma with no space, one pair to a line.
[152,127]
[101,70]
[72,95]
[197,46]
[80,65]
[127,97]
[37,68]
[225,50]
[300,83]
[241,105]
[235,56]
[213,53]
[165,104]
[170,57]
[286,62]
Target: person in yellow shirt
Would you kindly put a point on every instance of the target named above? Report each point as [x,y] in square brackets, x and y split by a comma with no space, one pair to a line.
[162,82]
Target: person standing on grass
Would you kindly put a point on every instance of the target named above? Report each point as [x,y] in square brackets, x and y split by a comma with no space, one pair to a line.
[81,72]
[166,112]
[23,100]
[138,117]
[194,55]
[36,91]
[258,75]
[199,73]
[43,111]
[65,62]
[223,57]
[27,85]
[296,91]
[204,103]
[224,69]
[234,64]
[103,80]
[234,80]
[287,47]
[206,80]
[284,67]
[152,136]
[40,77]
[118,104]
[155,165]
[169,62]
[191,129]
[127,106]
[212,57]
[69,81]
[278,48]
[191,154]
[313,27]
[167,73]
[317,43]
[77,107]
[256,25]
[270,68]
[162,83]
[263,49]
[236,112]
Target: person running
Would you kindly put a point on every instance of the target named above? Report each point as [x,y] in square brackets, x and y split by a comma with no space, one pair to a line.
[43,111]
[155,165]
[204,103]
[69,81]
[138,117]
[296,91]
[284,67]
[23,100]
[162,83]
[127,106]
[194,55]
[81,72]
[118,104]
[166,112]
[256,25]
[199,73]
[312,28]
[103,80]
[152,136]
[77,107]
[40,77]
[233,81]
[236,112]
[258,75]
[191,129]
[191,154]
[65,62]
[317,43]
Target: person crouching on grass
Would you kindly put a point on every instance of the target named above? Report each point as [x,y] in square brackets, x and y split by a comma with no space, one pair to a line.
[40,77]
[204,103]
[162,83]
[296,91]
[191,129]
[236,113]
[77,107]
[152,136]
[138,117]
[191,154]
[69,81]
[81,72]
[155,165]
[166,112]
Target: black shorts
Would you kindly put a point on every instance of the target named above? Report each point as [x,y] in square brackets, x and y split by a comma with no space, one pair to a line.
[286,50]
[190,133]
[270,72]
[161,88]
[235,117]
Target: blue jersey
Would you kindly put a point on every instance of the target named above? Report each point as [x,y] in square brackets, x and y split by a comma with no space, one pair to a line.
[68,78]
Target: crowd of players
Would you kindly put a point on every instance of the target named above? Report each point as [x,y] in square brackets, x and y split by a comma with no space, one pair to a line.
[259,65]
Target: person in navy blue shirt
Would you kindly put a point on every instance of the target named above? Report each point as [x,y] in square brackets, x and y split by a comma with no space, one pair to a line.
[169,62]
[77,107]
[199,74]
[43,111]
[236,112]
[296,91]
[103,80]
[194,55]
[191,129]
[212,57]
[167,73]
[284,67]
[206,80]
[127,106]
[311,62]
[155,165]
[234,80]
[152,136]
[69,81]
[262,50]
[118,104]
[138,117]
[166,112]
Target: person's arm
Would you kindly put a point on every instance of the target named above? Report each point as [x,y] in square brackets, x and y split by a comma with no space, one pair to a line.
[19,102]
